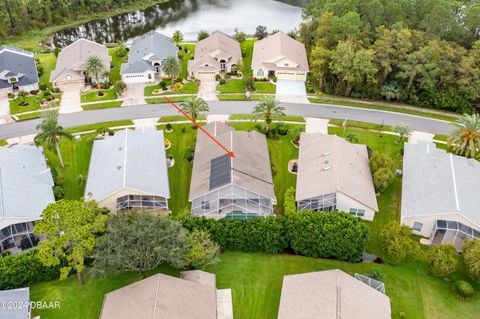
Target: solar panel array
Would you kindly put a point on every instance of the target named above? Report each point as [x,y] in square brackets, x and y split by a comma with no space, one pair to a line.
[220,171]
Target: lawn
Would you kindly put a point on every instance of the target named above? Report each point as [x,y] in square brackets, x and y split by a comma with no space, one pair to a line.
[116,65]
[91,127]
[48,61]
[188,88]
[156,100]
[3,143]
[256,280]
[232,86]
[288,118]
[247,53]
[178,118]
[32,100]
[94,97]
[98,106]
[239,97]
[186,56]
[264,87]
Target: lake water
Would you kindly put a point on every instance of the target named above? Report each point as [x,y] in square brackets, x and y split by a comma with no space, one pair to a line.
[190,16]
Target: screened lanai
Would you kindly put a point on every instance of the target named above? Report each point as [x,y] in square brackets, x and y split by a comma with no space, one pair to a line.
[17,237]
[141,202]
[324,203]
[452,232]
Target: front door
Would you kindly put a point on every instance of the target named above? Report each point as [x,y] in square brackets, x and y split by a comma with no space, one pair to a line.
[223,66]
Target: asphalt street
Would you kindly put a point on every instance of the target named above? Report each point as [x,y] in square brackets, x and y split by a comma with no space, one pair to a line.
[233,107]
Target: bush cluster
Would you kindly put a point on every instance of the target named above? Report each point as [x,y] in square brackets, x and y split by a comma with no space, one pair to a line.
[463,290]
[329,235]
[382,170]
[22,270]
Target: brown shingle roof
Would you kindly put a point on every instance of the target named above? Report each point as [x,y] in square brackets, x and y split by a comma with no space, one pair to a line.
[331,294]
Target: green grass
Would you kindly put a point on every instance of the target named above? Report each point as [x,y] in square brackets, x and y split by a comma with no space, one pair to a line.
[381,107]
[363,125]
[76,156]
[264,87]
[178,118]
[117,64]
[156,100]
[188,88]
[287,118]
[256,281]
[232,86]
[247,53]
[29,116]
[439,137]
[32,100]
[48,61]
[98,106]
[93,96]
[186,57]
[239,97]
[3,143]
[91,127]
[180,174]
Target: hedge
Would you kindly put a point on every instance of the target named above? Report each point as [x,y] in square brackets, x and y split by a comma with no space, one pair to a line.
[23,269]
[326,234]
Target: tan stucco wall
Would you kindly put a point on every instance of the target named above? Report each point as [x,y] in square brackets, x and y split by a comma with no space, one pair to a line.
[344,203]
[429,222]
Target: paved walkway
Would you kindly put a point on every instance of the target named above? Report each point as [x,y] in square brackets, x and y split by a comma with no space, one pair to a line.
[217,118]
[70,102]
[134,94]
[4,108]
[316,125]
[417,136]
[207,90]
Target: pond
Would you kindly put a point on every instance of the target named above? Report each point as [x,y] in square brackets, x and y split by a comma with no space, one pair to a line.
[189,16]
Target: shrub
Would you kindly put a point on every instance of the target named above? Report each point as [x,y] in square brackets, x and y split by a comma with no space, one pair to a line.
[58,192]
[189,153]
[443,260]
[168,127]
[328,235]
[281,128]
[163,85]
[296,135]
[257,234]
[379,160]
[217,77]
[471,259]
[180,55]
[222,81]
[249,83]
[289,203]
[24,269]
[56,90]
[202,35]
[382,179]
[396,242]
[42,86]
[463,290]
[177,87]
[34,92]
[11,95]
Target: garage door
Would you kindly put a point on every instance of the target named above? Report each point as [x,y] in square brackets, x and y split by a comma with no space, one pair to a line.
[206,76]
[76,85]
[291,88]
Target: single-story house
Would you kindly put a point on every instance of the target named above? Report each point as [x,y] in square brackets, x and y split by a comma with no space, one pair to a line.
[129,171]
[70,69]
[282,57]
[216,54]
[15,303]
[225,187]
[192,296]
[25,191]
[331,294]
[439,195]
[146,56]
[334,175]
[18,70]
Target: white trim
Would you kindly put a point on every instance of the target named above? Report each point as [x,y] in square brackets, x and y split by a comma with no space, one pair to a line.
[454,182]
[125,159]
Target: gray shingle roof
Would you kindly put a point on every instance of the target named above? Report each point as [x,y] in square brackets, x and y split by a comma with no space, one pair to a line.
[18,61]
[25,183]
[153,45]
[250,168]
[130,159]
[329,164]
[19,299]
[436,182]
[331,294]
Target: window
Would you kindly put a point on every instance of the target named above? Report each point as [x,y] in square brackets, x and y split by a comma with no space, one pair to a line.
[260,73]
[149,76]
[357,212]
[353,211]
[285,64]
[205,204]
[417,226]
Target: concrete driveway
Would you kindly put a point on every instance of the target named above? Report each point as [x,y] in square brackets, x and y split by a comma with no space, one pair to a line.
[4,108]
[70,102]
[134,94]
[207,90]
[291,91]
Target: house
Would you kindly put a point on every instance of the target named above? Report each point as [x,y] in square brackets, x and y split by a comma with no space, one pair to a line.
[15,303]
[439,195]
[331,294]
[146,56]
[71,62]
[334,174]
[192,296]
[25,191]
[129,171]
[281,57]
[18,70]
[214,55]
[225,187]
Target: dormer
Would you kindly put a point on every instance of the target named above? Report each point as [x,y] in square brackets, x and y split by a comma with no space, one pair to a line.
[286,63]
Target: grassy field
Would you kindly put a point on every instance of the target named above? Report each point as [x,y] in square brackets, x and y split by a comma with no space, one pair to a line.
[256,280]
[178,118]
[288,118]
[186,56]
[232,86]
[156,100]
[117,64]
[3,143]
[247,53]
[33,103]
[95,126]
[264,87]
[48,61]
[239,97]
[93,96]
[98,106]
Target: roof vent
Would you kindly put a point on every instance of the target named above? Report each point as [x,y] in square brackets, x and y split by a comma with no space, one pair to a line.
[327,168]
[325,162]
[120,148]
[326,153]
[119,167]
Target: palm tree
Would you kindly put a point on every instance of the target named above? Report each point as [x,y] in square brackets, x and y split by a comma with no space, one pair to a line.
[51,133]
[465,138]
[402,130]
[119,88]
[81,179]
[94,66]
[193,105]
[268,110]
[171,67]
[177,37]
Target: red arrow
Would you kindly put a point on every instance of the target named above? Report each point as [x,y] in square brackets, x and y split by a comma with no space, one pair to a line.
[230,153]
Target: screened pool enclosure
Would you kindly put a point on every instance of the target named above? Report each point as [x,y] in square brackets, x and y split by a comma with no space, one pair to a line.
[17,237]
[141,202]
[232,202]
[452,232]
[324,203]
